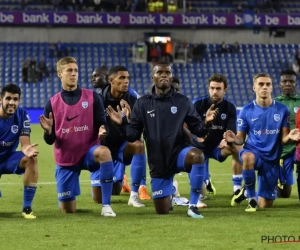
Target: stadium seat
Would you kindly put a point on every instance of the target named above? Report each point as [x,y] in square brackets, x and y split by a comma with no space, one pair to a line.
[239,68]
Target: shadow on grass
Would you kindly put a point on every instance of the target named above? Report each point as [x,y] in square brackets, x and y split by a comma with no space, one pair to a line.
[8,214]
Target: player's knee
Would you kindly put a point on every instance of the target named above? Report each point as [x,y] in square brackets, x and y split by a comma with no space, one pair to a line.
[138,147]
[285,192]
[264,203]
[196,156]
[163,211]
[67,210]
[102,154]
[29,163]
[248,159]
[68,206]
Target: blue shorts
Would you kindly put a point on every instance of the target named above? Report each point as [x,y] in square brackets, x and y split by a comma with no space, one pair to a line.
[12,164]
[119,167]
[162,187]
[67,178]
[214,154]
[288,168]
[267,174]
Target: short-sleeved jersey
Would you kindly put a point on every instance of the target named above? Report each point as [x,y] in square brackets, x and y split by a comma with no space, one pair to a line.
[11,129]
[293,103]
[264,128]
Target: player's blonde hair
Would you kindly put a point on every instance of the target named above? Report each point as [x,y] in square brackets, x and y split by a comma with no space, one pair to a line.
[262,74]
[66,60]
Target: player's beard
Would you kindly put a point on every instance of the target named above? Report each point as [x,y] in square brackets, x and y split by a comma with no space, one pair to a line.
[216,100]
[5,110]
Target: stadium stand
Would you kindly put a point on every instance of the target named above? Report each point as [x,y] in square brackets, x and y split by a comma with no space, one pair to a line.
[211,6]
[238,67]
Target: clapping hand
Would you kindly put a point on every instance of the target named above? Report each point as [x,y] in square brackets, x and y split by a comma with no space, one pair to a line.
[115,116]
[294,134]
[46,123]
[211,114]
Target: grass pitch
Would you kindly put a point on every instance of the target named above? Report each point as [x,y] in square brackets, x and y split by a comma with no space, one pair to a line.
[224,227]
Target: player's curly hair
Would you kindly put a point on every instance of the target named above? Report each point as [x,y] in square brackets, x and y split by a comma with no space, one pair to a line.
[288,72]
[218,78]
[10,88]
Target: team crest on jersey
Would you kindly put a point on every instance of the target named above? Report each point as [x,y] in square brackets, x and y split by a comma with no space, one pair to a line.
[296,109]
[239,122]
[85,104]
[14,129]
[174,110]
[223,116]
[276,117]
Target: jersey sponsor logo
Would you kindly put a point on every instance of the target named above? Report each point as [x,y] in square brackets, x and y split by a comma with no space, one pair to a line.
[14,129]
[266,131]
[155,193]
[223,116]
[276,117]
[74,129]
[174,110]
[6,143]
[71,118]
[217,127]
[296,110]
[239,122]
[63,194]
[254,119]
[85,104]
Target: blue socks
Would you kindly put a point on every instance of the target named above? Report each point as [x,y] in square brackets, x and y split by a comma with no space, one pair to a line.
[29,192]
[138,167]
[237,182]
[249,179]
[106,179]
[196,180]
[143,182]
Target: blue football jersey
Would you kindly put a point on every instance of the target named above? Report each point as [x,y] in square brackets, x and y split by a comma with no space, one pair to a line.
[11,129]
[264,128]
